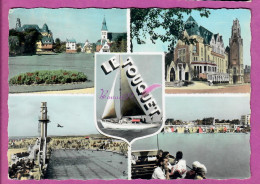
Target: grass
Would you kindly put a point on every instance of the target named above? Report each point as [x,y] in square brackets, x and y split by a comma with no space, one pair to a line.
[48,77]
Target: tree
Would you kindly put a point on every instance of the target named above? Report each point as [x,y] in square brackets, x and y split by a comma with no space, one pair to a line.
[93,48]
[14,45]
[57,45]
[27,40]
[31,36]
[78,49]
[148,21]
[119,45]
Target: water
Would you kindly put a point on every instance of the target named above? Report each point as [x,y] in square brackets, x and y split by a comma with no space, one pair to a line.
[226,156]
[85,165]
[76,62]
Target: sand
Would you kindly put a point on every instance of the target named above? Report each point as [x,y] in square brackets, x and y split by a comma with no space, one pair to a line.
[13,151]
[75,91]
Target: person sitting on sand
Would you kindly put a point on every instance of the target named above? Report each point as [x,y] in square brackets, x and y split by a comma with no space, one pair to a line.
[179,166]
[161,171]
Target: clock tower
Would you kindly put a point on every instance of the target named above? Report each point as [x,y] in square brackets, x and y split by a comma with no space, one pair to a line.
[236,66]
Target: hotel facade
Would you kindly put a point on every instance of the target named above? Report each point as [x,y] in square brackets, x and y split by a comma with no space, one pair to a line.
[207,58]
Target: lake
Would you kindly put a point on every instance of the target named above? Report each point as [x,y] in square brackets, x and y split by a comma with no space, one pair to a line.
[226,156]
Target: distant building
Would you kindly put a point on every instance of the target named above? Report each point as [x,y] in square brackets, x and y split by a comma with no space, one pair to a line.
[245,120]
[87,47]
[71,46]
[107,38]
[46,43]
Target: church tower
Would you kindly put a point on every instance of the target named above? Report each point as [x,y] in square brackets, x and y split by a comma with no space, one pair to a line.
[104,30]
[18,24]
[236,66]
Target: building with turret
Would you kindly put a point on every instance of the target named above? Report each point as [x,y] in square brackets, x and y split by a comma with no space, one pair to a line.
[45,45]
[206,58]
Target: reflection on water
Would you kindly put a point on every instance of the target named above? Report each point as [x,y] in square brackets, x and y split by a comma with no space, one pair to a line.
[85,164]
[225,155]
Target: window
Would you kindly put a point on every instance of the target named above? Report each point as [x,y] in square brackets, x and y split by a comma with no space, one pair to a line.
[194,49]
[181,54]
[205,68]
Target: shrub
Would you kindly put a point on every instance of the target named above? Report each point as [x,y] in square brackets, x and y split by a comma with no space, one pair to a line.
[48,77]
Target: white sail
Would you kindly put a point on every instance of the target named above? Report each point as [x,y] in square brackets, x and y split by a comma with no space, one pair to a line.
[110,110]
[128,106]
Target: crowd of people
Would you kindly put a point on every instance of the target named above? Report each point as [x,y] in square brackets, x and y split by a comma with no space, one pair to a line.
[170,167]
[21,169]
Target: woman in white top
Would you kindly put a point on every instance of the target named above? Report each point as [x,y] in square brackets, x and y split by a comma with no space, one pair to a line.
[162,171]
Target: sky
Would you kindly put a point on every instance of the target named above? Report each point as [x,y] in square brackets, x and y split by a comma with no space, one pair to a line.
[191,107]
[219,21]
[75,113]
[80,24]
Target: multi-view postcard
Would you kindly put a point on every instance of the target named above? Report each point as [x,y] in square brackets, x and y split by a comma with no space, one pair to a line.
[129,94]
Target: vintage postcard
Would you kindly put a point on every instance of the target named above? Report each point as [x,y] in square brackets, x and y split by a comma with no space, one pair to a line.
[95,92]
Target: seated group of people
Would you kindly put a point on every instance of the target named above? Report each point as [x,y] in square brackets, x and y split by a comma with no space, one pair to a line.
[21,168]
[170,167]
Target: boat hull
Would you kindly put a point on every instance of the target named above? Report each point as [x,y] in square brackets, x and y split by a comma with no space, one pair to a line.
[128,126]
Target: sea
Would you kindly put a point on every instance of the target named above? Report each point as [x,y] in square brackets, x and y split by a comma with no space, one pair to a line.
[80,62]
[226,156]
[86,165]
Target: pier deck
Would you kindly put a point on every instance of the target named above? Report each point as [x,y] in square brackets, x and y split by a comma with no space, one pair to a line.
[85,165]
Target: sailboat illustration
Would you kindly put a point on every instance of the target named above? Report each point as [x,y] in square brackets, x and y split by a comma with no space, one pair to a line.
[131,115]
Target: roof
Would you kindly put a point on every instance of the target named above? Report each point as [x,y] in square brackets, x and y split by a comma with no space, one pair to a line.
[116,36]
[71,40]
[191,26]
[29,26]
[104,25]
[47,40]
[205,34]
[103,42]
[45,28]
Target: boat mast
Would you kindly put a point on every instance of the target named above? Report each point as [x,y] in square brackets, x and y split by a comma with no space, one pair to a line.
[120,95]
